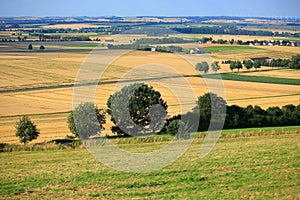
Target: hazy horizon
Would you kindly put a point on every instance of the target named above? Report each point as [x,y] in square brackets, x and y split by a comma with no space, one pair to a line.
[166,8]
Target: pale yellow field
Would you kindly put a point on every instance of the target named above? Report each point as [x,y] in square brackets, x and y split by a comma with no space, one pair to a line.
[72,26]
[38,69]
[153,19]
[281,73]
[262,51]
[49,108]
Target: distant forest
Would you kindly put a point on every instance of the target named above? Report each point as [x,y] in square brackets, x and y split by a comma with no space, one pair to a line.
[232,30]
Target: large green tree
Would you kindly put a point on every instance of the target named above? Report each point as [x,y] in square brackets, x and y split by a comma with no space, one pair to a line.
[86,120]
[26,130]
[295,64]
[137,110]
[211,108]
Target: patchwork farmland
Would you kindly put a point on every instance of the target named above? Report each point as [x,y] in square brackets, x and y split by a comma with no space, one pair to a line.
[246,163]
[43,70]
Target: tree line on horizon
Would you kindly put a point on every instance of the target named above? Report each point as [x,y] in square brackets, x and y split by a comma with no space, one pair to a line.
[232,30]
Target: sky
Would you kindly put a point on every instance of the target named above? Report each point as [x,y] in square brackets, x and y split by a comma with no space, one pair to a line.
[260,8]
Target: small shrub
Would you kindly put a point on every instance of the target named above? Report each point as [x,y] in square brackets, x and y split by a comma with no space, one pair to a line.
[30,47]
[26,130]
[179,129]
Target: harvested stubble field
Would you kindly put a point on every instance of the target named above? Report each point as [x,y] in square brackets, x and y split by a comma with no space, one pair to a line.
[262,51]
[71,26]
[280,73]
[49,107]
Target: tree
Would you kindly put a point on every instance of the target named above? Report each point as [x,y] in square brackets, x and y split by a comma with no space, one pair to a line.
[248,64]
[210,104]
[235,117]
[215,66]
[232,66]
[86,120]
[256,64]
[26,130]
[179,129]
[288,115]
[274,116]
[30,47]
[239,65]
[173,127]
[42,47]
[203,66]
[295,64]
[137,109]
[256,116]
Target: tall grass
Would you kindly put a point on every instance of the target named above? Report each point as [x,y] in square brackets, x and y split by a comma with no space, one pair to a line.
[4,147]
[162,138]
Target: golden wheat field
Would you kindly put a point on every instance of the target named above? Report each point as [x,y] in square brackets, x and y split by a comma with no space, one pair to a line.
[49,107]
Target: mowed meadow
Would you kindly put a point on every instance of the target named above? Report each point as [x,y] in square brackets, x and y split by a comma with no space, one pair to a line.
[256,167]
[39,84]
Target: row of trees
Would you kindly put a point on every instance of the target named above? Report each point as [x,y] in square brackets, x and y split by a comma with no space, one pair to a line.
[240,42]
[166,49]
[231,30]
[293,63]
[104,30]
[248,64]
[238,117]
[169,49]
[165,40]
[144,42]
[139,110]
[204,67]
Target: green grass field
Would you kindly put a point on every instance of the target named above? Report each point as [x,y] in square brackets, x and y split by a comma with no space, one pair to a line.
[257,79]
[262,129]
[230,48]
[257,167]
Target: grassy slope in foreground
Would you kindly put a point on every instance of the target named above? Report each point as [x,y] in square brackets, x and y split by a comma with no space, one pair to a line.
[247,167]
[258,79]
[261,129]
